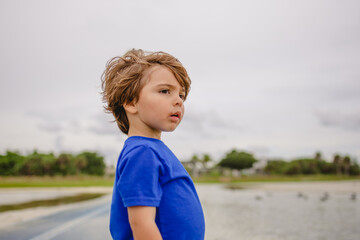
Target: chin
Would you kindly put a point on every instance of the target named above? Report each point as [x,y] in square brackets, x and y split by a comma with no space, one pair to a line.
[169,129]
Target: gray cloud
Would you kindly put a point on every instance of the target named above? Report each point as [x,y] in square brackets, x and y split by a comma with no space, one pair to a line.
[51,127]
[75,127]
[105,129]
[208,123]
[46,121]
[72,122]
[43,115]
[103,124]
[56,123]
[348,121]
[259,150]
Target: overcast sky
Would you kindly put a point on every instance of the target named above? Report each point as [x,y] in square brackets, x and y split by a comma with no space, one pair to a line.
[276,78]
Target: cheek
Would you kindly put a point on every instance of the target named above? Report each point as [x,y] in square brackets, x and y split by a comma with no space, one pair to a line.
[148,105]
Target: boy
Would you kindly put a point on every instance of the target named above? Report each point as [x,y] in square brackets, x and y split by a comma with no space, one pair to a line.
[153,196]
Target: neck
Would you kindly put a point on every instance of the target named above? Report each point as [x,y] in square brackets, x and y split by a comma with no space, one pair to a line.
[135,132]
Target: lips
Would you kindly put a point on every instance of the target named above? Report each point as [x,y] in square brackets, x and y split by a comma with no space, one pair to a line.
[176,115]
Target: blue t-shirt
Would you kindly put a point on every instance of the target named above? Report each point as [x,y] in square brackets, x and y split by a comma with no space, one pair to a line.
[149,174]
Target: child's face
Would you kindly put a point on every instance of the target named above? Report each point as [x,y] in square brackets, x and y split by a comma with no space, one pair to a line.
[160,104]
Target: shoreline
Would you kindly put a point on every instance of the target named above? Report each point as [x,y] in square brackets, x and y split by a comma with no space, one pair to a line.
[25,194]
[351,186]
[10,218]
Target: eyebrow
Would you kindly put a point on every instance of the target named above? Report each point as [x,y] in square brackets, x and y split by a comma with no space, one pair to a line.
[169,86]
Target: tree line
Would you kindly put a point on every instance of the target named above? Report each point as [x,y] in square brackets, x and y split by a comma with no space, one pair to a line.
[340,165]
[49,164]
[241,160]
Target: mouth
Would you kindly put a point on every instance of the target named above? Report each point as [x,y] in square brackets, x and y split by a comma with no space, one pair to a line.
[176,115]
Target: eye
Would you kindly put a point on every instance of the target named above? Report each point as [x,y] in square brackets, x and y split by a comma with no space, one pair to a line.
[165,91]
[182,96]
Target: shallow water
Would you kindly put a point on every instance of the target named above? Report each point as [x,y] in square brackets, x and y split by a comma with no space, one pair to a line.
[254,214]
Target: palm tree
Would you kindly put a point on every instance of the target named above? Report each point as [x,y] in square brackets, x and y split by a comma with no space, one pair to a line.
[194,160]
[346,163]
[205,161]
[318,156]
[338,162]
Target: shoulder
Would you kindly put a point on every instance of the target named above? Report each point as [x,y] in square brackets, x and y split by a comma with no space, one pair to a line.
[140,145]
[140,156]
[142,150]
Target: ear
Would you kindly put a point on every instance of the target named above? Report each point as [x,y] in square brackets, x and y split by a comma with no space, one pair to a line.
[131,108]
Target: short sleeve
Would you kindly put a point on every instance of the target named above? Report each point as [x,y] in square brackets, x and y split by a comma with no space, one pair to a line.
[138,181]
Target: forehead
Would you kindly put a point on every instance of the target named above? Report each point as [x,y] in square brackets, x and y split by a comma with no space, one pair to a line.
[161,75]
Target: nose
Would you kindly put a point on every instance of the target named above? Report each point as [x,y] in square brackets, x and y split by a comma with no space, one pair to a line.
[178,101]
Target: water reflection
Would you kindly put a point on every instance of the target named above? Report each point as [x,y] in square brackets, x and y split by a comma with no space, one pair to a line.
[255,214]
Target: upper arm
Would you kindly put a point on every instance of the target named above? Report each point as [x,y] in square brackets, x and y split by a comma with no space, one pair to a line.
[142,222]
[140,214]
